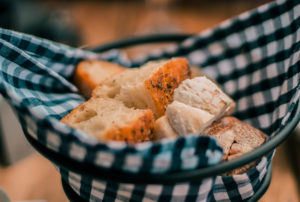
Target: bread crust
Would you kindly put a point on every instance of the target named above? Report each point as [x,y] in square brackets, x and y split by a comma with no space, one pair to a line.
[90,73]
[223,135]
[140,130]
[162,83]
[69,117]
[244,139]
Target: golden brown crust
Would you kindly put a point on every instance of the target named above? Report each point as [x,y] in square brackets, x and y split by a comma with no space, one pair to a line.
[140,130]
[86,79]
[162,83]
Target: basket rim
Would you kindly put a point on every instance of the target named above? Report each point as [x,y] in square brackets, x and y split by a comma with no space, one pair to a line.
[169,178]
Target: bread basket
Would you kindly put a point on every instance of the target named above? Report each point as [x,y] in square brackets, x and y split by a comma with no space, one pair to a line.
[255,58]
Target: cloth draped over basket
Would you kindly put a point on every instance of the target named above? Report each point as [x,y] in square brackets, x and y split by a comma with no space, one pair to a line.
[255,57]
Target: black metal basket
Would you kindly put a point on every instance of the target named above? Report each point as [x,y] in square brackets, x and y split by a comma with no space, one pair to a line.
[254,56]
[176,177]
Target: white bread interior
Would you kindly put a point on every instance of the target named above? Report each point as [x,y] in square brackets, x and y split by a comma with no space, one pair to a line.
[185,119]
[164,129]
[135,93]
[109,119]
[129,87]
[90,73]
[148,87]
[202,93]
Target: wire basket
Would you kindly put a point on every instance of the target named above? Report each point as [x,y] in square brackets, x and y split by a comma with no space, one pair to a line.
[254,57]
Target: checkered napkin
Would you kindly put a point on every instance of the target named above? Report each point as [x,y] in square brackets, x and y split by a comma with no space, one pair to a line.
[255,57]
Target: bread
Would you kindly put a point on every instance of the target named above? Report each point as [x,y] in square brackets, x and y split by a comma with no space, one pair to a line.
[90,73]
[164,129]
[185,119]
[109,119]
[125,103]
[223,134]
[236,138]
[202,93]
[197,103]
[196,71]
[150,87]
[246,137]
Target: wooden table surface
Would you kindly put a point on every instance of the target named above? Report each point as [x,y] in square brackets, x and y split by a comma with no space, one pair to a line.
[34,178]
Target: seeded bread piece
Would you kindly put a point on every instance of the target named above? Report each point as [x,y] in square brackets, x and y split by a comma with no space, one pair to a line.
[108,119]
[90,73]
[149,87]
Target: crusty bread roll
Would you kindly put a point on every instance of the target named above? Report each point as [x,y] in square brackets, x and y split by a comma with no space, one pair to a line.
[149,87]
[163,129]
[236,138]
[90,73]
[202,93]
[185,119]
[109,119]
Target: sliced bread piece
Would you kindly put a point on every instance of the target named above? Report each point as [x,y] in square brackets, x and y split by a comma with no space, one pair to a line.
[149,87]
[202,93]
[108,119]
[90,73]
[185,119]
[163,129]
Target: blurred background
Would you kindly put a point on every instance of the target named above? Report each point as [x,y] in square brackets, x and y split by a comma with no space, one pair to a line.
[88,23]
[95,22]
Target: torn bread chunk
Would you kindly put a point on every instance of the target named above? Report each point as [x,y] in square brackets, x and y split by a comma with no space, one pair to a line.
[236,138]
[148,87]
[108,119]
[90,73]
[202,93]
[163,129]
[185,119]
[223,134]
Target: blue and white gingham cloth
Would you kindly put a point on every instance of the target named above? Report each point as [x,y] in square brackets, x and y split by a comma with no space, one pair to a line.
[255,57]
